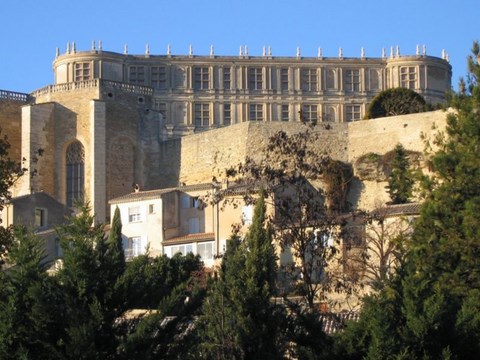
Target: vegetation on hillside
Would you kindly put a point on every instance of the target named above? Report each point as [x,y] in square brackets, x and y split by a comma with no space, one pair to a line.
[396,101]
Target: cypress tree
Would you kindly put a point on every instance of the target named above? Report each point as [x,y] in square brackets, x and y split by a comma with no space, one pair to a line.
[240,320]
[430,310]
[400,180]
[31,303]
[115,247]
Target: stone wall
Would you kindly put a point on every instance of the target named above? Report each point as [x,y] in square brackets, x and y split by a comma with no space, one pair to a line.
[10,125]
[197,158]
[380,136]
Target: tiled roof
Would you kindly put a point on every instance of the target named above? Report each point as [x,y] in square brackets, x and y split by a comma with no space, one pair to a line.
[190,237]
[334,322]
[400,209]
[156,194]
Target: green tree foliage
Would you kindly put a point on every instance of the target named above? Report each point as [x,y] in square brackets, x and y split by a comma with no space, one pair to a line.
[31,304]
[88,287]
[240,321]
[400,180]
[115,248]
[148,280]
[168,333]
[77,313]
[430,310]
[10,172]
[396,101]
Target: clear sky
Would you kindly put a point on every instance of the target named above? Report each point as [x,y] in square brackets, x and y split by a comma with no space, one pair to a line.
[31,30]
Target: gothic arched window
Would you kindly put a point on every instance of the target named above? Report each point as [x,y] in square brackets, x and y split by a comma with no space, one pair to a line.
[75,174]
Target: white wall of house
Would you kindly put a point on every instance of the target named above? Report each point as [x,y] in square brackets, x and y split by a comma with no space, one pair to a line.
[142,226]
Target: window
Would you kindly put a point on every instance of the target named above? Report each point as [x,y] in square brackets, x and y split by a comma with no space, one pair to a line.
[195,202]
[137,74]
[256,112]
[408,77]
[161,108]
[201,77]
[151,209]
[159,77]
[285,112]
[353,112]
[330,79]
[309,79]
[330,114]
[205,250]
[374,79]
[227,80]
[75,173]
[284,79]
[189,202]
[255,78]
[40,217]
[227,114]
[82,71]
[183,249]
[309,113]
[324,238]
[202,115]
[247,215]
[133,247]
[134,214]
[352,80]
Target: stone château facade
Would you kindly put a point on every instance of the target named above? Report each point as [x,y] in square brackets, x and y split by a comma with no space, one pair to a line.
[193,93]
[111,120]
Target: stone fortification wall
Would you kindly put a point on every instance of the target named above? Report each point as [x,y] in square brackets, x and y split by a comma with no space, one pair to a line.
[197,158]
[127,129]
[119,131]
[379,136]
[38,129]
[10,124]
[71,121]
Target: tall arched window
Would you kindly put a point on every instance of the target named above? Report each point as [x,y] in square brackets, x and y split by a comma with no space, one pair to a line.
[75,173]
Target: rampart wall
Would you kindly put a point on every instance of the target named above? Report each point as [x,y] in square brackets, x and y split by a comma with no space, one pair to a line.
[197,158]
[10,124]
[204,155]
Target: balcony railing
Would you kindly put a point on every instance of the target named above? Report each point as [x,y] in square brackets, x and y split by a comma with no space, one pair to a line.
[94,83]
[15,96]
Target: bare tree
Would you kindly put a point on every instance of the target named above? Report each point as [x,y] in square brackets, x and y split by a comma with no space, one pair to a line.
[376,243]
[306,189]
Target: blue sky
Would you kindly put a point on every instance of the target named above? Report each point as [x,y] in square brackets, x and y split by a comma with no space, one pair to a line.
[33,29]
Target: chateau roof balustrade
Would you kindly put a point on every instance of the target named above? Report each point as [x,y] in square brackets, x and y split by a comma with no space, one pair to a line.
[15,96]
[94,83]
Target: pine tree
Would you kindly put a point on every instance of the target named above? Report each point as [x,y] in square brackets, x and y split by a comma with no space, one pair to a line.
[31,303]
[257,314]
[115,247]
[430,310]
[87,287]
[240,320]
[400,180]
[445,248]
[10,172]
